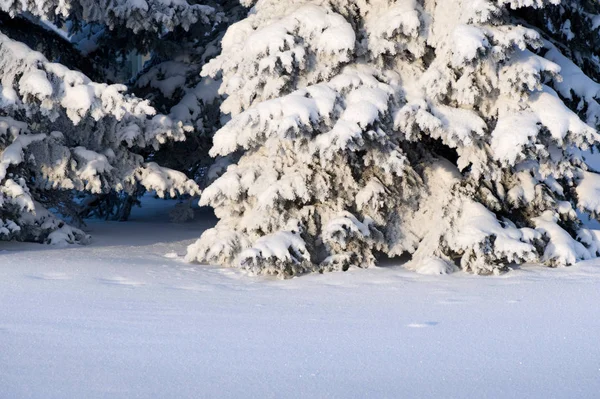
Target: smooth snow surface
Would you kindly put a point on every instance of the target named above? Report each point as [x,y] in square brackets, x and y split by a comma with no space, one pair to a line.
[125,317]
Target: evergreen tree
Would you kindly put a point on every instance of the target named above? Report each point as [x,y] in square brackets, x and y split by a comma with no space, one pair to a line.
[454,131]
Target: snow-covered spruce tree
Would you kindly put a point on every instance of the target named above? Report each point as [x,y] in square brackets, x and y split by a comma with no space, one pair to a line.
[170,80]
[441,129]
[60,132]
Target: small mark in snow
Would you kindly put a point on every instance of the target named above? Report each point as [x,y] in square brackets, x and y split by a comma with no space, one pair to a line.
[121,281]
[284,286]
[451,302]
[171,255]
[197,288]
[513,301]
[423,325]
[51,276]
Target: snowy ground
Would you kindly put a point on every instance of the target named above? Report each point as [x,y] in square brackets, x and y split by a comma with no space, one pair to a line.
[127,318]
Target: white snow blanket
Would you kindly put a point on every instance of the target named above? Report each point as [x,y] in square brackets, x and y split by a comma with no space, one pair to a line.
[125,317]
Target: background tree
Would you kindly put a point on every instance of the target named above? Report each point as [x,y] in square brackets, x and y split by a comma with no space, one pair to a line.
[63,133]
[170,79]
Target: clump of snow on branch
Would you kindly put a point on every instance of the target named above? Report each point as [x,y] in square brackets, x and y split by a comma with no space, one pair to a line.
[137,15]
